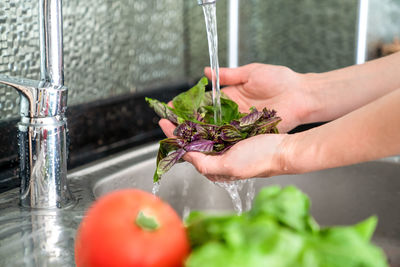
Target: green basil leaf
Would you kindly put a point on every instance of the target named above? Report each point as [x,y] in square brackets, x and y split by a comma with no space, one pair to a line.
[230,110]
[187,103]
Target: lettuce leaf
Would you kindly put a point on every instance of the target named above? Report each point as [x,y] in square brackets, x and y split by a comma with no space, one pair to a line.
[279,232]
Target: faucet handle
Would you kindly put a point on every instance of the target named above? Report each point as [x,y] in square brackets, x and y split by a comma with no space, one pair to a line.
[39,99]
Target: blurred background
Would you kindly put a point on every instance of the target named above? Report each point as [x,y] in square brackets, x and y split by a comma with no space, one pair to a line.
[118,51]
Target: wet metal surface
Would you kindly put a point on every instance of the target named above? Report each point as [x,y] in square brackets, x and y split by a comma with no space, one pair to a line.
[339,196]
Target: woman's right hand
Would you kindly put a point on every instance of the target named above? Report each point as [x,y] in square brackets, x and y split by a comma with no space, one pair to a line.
[273,87]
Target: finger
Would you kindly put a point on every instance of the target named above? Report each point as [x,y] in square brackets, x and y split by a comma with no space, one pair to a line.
[221,178]
[167,127]
[232,76]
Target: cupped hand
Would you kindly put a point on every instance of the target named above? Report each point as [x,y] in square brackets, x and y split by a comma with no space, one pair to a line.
[274,87]
[258,156]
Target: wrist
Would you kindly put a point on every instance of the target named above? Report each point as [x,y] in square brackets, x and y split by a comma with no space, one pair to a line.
[296,155]
[315,86]
[286,156]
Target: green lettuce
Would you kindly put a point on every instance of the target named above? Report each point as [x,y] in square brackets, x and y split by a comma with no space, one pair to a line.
[279,232]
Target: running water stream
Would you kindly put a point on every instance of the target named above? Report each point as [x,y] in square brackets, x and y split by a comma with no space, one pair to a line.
[232,187]
[210,17]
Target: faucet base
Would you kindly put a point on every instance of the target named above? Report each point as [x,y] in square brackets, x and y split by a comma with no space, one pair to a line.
[43,157]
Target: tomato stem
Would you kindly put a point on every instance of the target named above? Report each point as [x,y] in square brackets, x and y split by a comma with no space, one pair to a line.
[147,222]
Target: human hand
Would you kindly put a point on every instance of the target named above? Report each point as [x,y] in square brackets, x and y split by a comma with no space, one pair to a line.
[258,156]
[274,87]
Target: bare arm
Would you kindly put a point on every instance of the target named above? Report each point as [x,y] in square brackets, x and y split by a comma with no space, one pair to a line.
[370,132]
[305,98]
[340,91]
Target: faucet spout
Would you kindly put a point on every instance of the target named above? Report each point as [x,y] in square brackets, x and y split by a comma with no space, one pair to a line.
[39,99]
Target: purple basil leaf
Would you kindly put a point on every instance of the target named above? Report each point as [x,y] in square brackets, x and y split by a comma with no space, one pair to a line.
[198,117]
[229,133]
[219,147]
[271,121]
[167,162]
[172,143]
[201,133]
[205,146]
[185,130]
[267,126]
[224,149]
[162,110]
[267,113]
[168,145]
[250,118]
[212,131]
[235,124]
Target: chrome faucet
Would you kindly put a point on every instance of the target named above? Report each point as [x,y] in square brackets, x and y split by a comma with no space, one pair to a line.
[42,130]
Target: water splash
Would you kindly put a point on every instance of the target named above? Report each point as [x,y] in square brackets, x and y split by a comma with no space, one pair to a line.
[186,208]
[210,17]
[156,188]
[233,188]
[251,192]
[185,212]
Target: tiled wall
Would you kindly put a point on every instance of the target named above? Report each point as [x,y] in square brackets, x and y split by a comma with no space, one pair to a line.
[114,47]
[306,35]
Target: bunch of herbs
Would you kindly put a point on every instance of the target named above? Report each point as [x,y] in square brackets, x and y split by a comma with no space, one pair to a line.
[193,114]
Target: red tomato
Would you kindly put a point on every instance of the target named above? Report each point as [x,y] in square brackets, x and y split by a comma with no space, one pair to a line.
[113,233]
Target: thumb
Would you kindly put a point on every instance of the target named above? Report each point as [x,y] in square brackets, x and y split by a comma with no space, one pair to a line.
[232,76]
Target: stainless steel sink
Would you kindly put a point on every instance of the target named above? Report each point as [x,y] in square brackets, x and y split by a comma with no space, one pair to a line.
[339,196]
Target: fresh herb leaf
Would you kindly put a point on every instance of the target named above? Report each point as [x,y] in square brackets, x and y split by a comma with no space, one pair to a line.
[231,134]
[186,104]
[250,118]
[229,110]
[167,162]
[162,109]
[205,146]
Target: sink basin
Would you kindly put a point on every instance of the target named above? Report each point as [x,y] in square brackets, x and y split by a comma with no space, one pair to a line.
[339,196]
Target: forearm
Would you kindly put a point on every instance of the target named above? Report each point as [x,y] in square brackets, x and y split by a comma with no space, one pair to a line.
[370,132]
[341,91]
